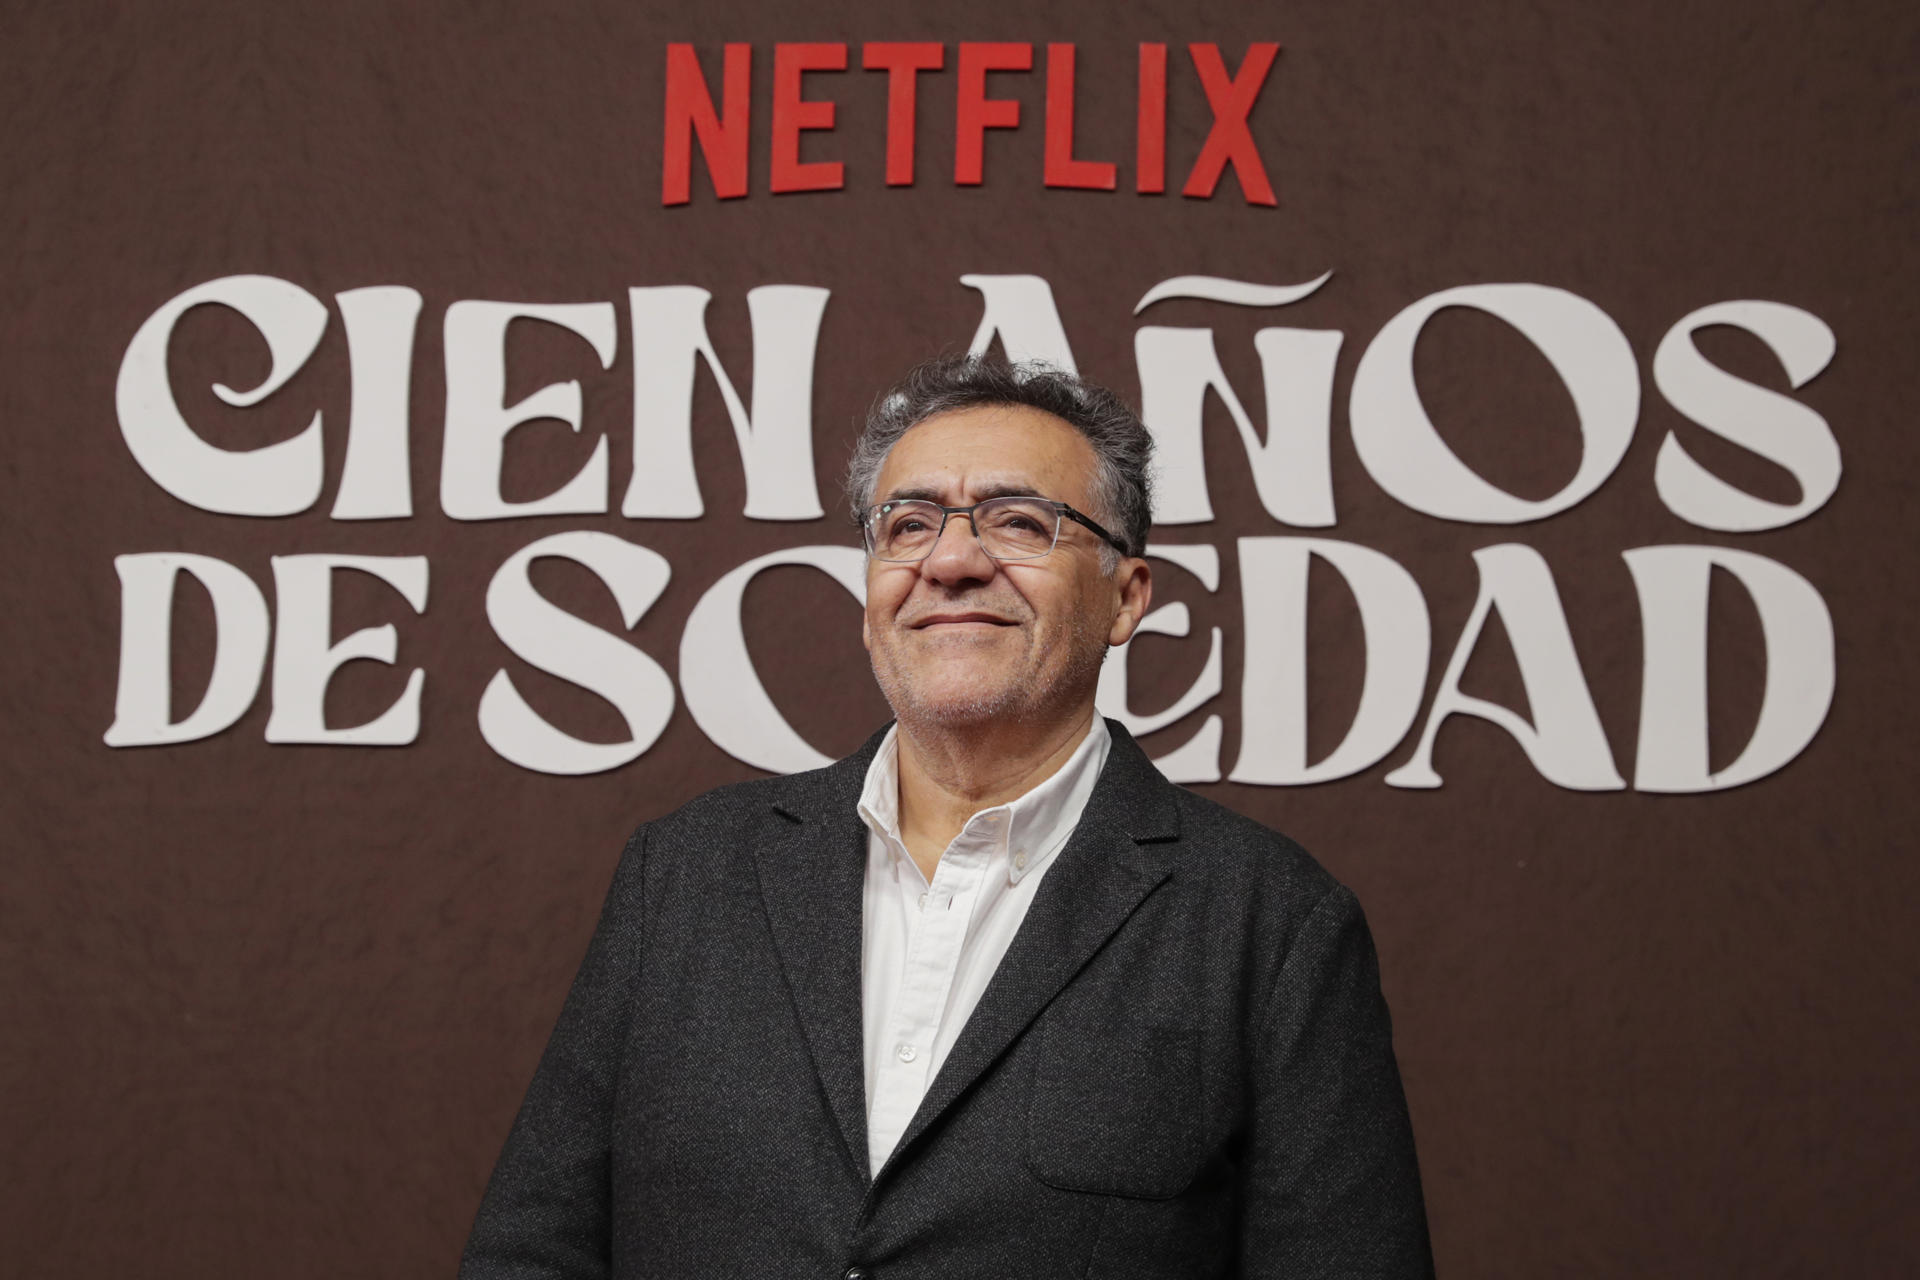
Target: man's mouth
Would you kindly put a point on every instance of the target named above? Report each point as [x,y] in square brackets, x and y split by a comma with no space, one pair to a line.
[969,617]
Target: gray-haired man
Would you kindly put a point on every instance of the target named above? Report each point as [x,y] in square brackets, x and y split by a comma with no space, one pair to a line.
[989,997]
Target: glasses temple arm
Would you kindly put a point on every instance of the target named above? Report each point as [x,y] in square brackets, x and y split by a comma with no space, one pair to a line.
[1090,523]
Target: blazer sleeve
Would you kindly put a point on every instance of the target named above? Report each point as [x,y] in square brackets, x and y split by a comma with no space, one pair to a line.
[547,1211]
[1331,1184]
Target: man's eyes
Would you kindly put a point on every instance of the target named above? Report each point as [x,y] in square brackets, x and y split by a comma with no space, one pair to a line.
[1015,519]
[1022,518]
[909,520]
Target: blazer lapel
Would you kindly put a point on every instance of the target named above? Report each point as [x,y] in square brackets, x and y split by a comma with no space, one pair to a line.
[1108,867]
[811,885]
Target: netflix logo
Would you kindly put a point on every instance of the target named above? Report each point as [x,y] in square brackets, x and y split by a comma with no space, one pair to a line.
[718,118]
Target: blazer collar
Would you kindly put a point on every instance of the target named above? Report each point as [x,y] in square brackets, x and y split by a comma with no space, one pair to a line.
[811,884]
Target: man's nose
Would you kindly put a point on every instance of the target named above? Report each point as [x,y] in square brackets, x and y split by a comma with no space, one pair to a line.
[957,555]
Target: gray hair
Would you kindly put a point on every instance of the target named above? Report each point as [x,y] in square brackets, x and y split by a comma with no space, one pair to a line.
[1122,446]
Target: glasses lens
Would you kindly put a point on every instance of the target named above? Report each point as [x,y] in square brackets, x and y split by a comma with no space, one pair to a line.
[902,530]
[1016,528]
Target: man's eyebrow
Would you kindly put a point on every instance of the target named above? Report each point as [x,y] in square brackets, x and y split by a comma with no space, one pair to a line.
[999,489]
[913,493]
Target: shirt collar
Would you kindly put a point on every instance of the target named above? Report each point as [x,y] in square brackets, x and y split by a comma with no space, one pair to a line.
[1027,831]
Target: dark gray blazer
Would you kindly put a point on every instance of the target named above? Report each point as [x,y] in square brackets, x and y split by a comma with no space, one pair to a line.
[1182,1069]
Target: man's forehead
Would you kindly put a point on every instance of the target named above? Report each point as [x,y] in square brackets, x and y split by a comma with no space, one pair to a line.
[987,451]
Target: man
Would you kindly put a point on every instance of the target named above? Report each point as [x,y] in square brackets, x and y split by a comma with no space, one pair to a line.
[990,997]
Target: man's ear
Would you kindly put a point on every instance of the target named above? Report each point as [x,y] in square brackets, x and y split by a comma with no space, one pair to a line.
[1133,579]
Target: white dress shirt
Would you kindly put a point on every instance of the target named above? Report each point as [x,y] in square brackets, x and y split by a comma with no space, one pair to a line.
[928,950]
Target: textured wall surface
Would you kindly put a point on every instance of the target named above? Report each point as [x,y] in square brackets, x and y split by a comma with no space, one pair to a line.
[268,1010]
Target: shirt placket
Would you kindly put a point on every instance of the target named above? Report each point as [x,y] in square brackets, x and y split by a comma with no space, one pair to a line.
[937,932]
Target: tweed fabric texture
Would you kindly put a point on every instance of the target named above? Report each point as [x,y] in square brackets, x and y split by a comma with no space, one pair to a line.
[1183,1067]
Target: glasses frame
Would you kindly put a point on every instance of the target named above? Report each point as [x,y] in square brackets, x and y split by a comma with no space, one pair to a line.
[947,513]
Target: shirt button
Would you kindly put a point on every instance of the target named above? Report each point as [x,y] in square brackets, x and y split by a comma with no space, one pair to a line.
[907,1053]
[923,902]
[1020,860]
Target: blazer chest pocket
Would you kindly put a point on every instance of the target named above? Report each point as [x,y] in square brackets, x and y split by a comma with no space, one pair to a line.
[1115,1110]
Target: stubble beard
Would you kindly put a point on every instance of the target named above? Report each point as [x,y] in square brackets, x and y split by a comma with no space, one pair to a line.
[1013,698]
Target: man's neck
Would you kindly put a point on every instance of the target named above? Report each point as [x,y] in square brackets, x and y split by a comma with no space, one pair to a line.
[947,776]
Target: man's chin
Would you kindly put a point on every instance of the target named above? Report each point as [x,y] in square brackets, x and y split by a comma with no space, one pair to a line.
[965,698]
[961,635]
[955,699]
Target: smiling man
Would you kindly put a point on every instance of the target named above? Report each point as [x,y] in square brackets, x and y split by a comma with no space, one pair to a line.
[990,997]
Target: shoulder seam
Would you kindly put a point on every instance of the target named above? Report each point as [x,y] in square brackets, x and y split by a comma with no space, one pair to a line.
[1271,1002]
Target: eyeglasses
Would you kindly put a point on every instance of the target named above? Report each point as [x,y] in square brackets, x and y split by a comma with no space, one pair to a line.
[1014,528]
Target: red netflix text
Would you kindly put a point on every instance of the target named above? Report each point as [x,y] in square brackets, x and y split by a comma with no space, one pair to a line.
[720,123]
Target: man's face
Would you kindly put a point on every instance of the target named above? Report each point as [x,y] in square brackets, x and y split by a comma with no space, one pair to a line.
[959,638]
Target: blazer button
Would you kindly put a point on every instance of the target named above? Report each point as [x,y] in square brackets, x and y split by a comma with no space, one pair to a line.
[857,1273]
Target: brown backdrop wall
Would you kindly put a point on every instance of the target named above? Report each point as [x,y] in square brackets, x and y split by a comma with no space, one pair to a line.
[268,1009]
